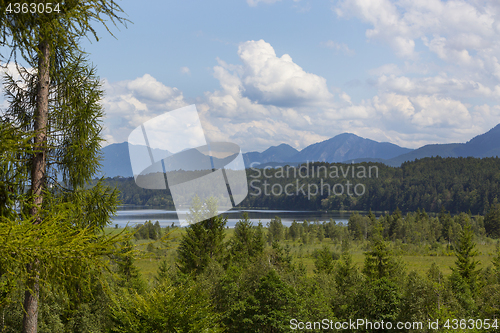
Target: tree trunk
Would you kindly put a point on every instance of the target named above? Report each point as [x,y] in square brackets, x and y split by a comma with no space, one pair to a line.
[30,320]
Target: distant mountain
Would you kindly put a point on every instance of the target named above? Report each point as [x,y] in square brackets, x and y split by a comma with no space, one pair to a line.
[347,147]
[116,159]
[276,154]
[443,150]
[350,148]
[484,145]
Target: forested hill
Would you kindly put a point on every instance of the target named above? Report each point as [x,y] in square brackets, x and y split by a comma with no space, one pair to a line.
[456,184]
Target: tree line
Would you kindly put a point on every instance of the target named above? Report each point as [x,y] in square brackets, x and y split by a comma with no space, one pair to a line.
[453,184]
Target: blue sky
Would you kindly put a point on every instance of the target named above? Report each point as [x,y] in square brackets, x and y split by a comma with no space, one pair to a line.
[266,72]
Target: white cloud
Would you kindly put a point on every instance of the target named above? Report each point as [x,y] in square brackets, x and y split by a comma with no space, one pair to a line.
[268,79]
[267,99]
[455,28]
[445,112]
[386,20]
[253,3]
[422,111]
[185,70]
[339,47]
[386,69]
[440,84]
[130,103]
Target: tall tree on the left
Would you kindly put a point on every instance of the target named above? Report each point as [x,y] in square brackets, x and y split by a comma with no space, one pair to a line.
[54,109]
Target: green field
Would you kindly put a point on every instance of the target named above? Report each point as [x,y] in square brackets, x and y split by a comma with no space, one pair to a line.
[149,261]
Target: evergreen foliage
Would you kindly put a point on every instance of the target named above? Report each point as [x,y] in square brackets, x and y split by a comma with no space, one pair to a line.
[466,266]
[379,262]
[203,241]
[324,261]
[247,242]
[54,113]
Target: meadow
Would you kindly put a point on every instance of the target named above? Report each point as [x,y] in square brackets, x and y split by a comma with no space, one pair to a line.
[417,258]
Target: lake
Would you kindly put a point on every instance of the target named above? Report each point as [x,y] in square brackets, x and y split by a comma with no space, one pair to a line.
[138,214]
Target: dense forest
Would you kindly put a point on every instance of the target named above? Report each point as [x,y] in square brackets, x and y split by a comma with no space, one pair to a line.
[454,184]
[253,279]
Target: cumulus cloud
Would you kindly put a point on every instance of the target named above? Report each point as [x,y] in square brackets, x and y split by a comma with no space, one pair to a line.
[266,99]
[386,20]
[268,79]
[451,29]
[440,84]
[185,70]
[130,103]
[432,111]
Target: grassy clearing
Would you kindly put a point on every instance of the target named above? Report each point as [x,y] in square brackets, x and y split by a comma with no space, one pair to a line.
[153,252]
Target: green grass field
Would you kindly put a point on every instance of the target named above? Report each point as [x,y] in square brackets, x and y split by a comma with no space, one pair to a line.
[153,252]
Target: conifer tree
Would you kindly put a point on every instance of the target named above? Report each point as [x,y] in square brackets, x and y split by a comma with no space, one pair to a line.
[203,241]
[466,266]
[379,261]
[56,105]
[247,241]
[324,262]
[492,221]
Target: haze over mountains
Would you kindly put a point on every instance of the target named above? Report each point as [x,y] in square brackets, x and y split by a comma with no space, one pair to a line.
[116,159]
[484,145]
[346,148]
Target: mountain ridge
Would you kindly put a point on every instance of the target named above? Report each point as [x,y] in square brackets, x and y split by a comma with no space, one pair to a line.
[343,148]
[482,145]
[348,146]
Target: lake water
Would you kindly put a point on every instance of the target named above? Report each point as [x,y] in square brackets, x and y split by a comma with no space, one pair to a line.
[138,215]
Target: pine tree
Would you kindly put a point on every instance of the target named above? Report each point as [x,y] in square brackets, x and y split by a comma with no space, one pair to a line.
[320,232]
[492,221]
[435,277]
[324,262]
[266,309]
[203,241]
[275,230]
[346,273]
[129,275]
[259,238]
[379,261]
[247,241]
[465,265]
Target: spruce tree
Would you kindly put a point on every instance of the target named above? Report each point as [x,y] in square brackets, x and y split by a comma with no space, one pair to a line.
[492,221]
[247,241]
[324,262]
[379,261]
[466,266]
[203,241]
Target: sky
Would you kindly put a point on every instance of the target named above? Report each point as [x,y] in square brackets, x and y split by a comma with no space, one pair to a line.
[266,72]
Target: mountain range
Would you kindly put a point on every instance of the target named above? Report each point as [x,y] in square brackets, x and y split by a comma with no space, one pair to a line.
[116,159]
[344,148]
